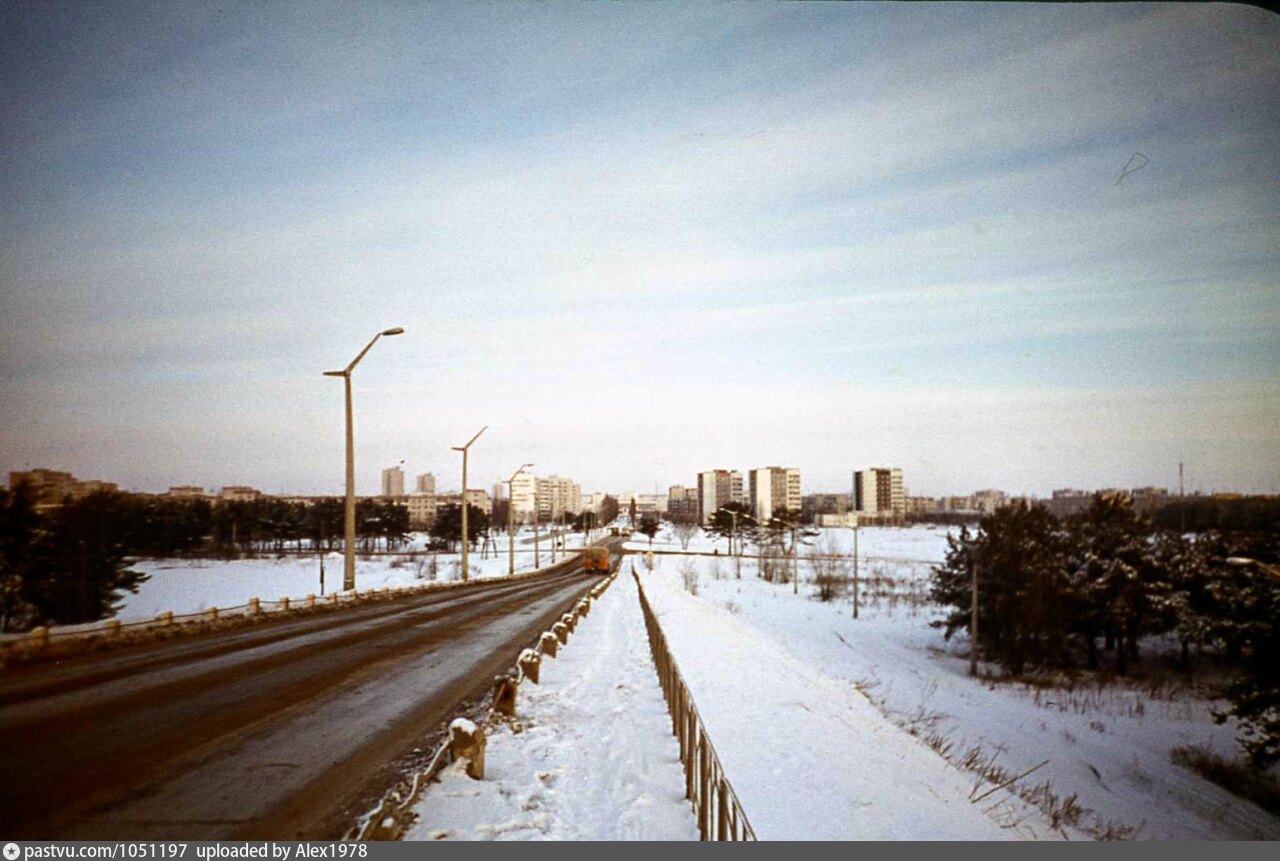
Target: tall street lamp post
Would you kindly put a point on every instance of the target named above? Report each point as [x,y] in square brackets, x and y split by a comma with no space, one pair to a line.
[464,449]
[511,535]
[349,524]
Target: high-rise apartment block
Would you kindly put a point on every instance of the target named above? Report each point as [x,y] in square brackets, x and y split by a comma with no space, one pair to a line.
[426,483]
[551,496]
[879,492]
[558,496]
[393,481]
[772,489]
[717,488]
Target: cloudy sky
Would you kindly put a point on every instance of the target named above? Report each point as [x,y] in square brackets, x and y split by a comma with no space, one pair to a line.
[1009,246]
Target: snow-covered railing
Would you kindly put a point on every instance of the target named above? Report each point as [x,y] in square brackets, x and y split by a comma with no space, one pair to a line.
[105,633]
[720,814]
[465,739]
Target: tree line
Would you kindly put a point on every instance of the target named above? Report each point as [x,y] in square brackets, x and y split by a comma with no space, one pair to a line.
[1088,589]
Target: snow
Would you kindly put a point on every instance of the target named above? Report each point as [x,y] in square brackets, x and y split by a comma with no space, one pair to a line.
[809,756]
[192,585]
[1109,746]
[591,756]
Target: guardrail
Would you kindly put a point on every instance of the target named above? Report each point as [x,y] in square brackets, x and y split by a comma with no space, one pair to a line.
[720,814]
[64,639]
[466,741]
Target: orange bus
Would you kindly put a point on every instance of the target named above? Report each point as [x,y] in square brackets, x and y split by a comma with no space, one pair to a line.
[596,560]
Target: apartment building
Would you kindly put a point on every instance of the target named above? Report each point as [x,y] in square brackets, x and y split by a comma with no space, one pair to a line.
[422,509]
[238,493]
[426,483]
[716,488]
[771,489]
[879,493]
[682,503]
[558,495]
[393,481]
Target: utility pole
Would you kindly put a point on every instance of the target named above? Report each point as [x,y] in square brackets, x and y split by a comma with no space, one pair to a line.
[464,449]
[973,618]
[855,567]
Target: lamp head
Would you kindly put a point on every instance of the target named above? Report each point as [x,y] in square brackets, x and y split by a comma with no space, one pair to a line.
[335,373]
[396,331]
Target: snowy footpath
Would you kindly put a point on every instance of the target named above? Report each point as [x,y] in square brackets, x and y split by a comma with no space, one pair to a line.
[593,757]
[810,757]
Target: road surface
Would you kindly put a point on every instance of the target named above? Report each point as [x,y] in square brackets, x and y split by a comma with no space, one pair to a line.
[287,731]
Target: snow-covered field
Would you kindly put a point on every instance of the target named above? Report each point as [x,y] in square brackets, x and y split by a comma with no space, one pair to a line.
[594,758]
[191,585]
[1107,749]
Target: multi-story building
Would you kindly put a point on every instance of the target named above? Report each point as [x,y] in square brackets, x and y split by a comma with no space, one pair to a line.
[682,503]
[186,491]
[422,509]
[393,481]
[717,488]
[81,489]
[771,489]
[479,498]
[558,496]
[48,487]
[524,495]
[238,493]
[426,483]
[987,501]
[879,492]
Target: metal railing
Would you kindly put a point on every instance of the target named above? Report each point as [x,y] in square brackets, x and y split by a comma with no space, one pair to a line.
[720,814]
[45,639]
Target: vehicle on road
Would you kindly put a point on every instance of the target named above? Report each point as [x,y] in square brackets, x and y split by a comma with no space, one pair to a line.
[596,560]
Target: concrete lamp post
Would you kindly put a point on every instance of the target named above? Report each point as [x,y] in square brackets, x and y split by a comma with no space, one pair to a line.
[511,535]
[349,516]
[464,449]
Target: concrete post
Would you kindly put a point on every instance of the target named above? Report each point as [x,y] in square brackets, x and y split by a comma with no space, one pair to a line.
[255,606]
[504,695]
[561,631]
[467,741]
[548,643]
[530,663]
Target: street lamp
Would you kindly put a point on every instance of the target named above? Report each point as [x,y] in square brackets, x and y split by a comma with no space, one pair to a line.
[511,508]
[349,527]
[464,449]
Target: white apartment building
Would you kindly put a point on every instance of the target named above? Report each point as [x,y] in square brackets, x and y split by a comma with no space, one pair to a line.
[426,483]
[558,496]
[524,495]
[393,481]
[479,498]
[773,488]
[716,488]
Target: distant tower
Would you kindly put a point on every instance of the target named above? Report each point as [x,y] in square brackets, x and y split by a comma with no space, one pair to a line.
[426,483]
[393,481]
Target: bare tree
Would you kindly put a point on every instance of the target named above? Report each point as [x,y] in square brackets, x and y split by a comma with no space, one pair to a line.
[689,574]
[830,569]
[684,533]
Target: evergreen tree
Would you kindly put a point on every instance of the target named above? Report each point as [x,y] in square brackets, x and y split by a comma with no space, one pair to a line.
[19,528]
[79,571]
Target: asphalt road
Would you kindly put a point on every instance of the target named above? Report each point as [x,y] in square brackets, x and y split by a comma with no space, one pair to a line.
[284,731]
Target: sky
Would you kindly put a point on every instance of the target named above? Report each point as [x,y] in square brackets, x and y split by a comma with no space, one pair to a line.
[996,245]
